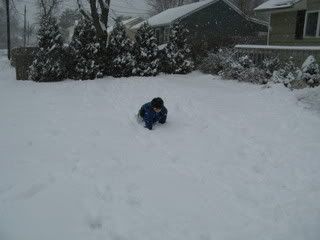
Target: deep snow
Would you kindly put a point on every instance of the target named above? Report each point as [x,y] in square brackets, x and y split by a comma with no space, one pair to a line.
[234,162]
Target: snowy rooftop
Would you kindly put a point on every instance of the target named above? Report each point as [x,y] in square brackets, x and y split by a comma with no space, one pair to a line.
[166,17]
[130,20]
[125,22]
[276,4]
[173,14]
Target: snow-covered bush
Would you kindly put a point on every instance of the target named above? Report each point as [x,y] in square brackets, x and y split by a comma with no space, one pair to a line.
[245,61]
[229,65]
[253,75]
[217,61]
[243,69]
[234,67]
[177,54]
[146,52]
[289,72]
[48,64]
[121,53]
[85,50]
[271,64]
[311,71]
[232,70]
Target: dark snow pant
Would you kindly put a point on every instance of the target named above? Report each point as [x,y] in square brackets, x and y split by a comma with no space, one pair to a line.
[162,119]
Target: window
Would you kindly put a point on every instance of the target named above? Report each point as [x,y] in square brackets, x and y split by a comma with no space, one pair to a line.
[312,24]
[166,34]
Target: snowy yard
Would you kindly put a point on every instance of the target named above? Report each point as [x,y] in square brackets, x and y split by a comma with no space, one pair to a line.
[234,162]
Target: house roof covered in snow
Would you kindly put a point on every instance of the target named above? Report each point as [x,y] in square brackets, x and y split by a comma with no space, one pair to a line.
[173,14]
[276,4]
[127,22]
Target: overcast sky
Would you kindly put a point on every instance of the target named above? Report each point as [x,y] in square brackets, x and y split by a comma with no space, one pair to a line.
[118,7]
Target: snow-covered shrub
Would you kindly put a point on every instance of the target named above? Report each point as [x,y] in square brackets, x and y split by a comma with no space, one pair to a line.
[234,66]
[253,75]
[243,69]
[289,72]
[232,70]
[48,64]
[245,61]
[146,52]
[121,53]
[177,54]
[311,71]
[84,50]
[271,64]
[216,61]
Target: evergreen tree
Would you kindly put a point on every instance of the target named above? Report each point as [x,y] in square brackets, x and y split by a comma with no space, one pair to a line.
[85,51]
[146,54]
[120,53]
[177,53]
[48,64]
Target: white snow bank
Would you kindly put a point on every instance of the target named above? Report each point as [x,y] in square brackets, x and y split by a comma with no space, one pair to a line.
[310,97]
[234,161]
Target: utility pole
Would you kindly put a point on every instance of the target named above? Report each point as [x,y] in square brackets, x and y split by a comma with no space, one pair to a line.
[25,27]
[28,33]
[8,29]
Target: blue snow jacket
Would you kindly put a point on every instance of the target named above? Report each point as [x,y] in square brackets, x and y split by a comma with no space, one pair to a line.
[150,117]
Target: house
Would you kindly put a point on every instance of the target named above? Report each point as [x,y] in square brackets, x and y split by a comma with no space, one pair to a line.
[213,23]
[128,24]
[293,22]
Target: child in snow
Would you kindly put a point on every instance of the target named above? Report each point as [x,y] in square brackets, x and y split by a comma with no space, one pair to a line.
[153,112]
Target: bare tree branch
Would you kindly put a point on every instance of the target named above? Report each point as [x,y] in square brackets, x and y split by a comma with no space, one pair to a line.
[47,7]
[99,14]
[82,10]
[105,7]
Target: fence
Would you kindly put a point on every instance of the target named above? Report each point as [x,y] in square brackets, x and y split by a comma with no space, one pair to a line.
[260,52]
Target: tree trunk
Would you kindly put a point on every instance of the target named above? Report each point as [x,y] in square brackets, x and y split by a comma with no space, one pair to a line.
[99,14]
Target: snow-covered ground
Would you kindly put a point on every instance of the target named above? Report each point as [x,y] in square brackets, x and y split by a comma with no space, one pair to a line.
[310,98]
[234,162]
